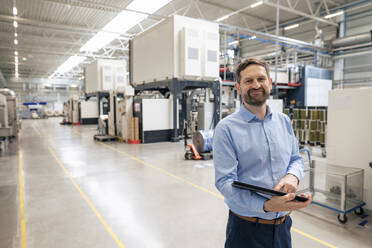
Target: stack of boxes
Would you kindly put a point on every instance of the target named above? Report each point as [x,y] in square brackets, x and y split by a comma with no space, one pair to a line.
[309,124]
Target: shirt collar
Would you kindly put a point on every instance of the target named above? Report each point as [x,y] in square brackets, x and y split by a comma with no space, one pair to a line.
[249,116]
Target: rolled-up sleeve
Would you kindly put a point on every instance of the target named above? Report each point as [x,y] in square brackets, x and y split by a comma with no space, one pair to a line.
[226,166]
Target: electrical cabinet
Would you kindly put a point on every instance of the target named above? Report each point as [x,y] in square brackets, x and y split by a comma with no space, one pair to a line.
[178,47]
[106,75]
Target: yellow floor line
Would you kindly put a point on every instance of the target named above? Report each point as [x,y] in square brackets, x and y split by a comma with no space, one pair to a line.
[21,197]
[99,216]
[196,186]
[313,238]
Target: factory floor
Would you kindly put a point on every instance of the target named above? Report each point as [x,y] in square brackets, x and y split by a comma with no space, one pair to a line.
[80,193]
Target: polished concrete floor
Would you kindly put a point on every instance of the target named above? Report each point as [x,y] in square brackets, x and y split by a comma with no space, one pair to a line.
[81,193]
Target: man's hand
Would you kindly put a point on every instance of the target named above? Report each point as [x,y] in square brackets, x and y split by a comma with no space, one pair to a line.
[288,184]
[285,203]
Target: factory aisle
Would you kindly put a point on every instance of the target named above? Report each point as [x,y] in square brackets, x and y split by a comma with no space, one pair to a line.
[82,193]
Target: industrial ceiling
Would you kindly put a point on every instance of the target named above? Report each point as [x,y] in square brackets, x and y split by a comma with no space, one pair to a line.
[51,31]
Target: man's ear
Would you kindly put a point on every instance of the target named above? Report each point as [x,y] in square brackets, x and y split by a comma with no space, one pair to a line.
[237,87]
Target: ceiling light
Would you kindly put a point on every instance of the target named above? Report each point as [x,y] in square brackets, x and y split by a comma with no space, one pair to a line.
[292,26]
[252,37]
[16,53]
[15,24]
[15,35]
[24,59]
[334,14]
[124,21]
[15,11]
[235,42]
[70,63]
[256,4]
[16,59]
[73,86]
[222,18]
[98,41]
[54,73]
[16,74]
[147,6]
[15,42]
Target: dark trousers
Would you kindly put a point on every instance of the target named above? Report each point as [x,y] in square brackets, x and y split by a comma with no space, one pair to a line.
[241,233]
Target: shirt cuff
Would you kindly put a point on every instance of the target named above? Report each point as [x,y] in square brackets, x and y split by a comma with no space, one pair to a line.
[262,201]
[296,173]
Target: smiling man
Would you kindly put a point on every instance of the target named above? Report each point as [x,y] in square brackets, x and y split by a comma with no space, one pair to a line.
[257,146]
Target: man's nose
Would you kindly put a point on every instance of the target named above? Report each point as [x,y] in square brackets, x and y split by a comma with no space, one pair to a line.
[256,84]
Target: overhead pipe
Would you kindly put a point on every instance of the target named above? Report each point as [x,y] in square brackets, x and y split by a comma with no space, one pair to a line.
[348,55]
[352,40]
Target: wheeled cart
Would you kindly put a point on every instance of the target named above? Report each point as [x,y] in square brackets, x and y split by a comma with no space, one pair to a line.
[334,187]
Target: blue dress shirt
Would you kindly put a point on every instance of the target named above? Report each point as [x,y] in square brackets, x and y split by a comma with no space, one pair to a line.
[257,152]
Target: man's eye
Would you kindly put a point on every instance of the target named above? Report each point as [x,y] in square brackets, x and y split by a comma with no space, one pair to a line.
[261,79]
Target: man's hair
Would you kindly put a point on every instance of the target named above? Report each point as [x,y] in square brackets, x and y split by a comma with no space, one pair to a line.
[248,62]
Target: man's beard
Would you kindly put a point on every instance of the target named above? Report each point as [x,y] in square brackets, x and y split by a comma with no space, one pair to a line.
[255,100]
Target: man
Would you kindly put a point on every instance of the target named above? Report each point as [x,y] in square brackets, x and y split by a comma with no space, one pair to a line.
[257,146]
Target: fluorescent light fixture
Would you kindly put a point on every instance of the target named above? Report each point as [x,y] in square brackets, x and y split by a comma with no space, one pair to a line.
[15,35]
[73,86]
[70,63]
[334,14]
[291,26]
[24,59]
[147,6]
[235,42]
[52,75]
[222,18]
[15,24]
[252,37]
[256,4]
[16,59]
[124,21]
[15,11]
[98,41]
[47,85]
[16,74]
[15,42]
[16,53]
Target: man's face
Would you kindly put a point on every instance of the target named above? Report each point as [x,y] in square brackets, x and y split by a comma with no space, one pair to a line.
[255,86]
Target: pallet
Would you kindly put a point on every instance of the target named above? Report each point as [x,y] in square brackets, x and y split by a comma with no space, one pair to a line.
[65,123]
[104,138]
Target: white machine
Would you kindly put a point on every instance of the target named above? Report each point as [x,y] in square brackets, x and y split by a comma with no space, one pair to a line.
[89,111]
[349,138]
[106,75]
[117,122]
[73,110]
[155,119]
[5,130]
[188,48]
[276,105]
[205,115]
[12,105]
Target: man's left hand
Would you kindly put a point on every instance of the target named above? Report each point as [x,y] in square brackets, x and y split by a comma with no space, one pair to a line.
[288,184]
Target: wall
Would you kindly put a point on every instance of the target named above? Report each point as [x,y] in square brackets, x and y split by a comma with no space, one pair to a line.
[358,69]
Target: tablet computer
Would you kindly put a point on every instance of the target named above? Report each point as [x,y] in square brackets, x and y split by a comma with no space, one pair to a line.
[264,190]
